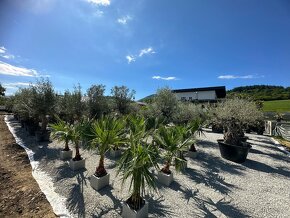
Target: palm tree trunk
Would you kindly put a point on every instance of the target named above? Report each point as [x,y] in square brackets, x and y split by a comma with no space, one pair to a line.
[66,148]
[192,147]
[78,156]
[166,167]
[43,123]
[100,170]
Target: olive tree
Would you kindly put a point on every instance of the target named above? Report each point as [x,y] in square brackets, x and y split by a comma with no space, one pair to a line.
[167,102]
[71,105]
[234,114]
[123,97]
[97,104]
[43,101]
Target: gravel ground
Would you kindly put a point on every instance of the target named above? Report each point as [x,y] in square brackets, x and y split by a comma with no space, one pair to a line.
[209,187]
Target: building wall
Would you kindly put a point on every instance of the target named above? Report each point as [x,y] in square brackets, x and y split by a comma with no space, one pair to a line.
[200,95]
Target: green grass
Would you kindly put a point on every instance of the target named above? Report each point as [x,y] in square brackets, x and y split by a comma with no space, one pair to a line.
[277,106]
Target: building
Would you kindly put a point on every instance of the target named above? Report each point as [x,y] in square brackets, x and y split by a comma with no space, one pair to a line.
[207,94]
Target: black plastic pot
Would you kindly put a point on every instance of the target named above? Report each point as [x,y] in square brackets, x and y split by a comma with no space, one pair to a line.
[41,136]
[235,153]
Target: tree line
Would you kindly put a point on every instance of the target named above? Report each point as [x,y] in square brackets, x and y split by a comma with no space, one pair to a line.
[261,92]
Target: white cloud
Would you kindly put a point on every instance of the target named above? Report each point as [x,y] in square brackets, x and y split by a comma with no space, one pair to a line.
[15,85]
[239,77]
[124,20]
[146,51]
[130,58]
[164,78]
[8,69]
[8,56]
[3,53]
[2,50]
[100,2]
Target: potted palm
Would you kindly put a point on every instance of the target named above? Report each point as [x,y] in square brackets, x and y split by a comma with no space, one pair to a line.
[136,164]
[77,137]
[193,129]
[63,131]
[174,142]
[105,132]
[234,114]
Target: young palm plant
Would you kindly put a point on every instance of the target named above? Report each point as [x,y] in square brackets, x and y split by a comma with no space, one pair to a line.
[174,142]
[79,135]
[106,132]
[135,164]
[193,129]
[62,131]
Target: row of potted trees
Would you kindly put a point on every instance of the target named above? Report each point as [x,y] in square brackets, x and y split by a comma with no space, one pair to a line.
[144,144]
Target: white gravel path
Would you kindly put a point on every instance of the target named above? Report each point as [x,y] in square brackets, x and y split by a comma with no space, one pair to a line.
[209,187]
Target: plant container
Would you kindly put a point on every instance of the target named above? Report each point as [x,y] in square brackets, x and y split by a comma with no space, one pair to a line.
[128,212]
[77,164]
[192,154]
[165,178]
[235,153]
[115,153]
[98,183]
[41,136]
[66,154]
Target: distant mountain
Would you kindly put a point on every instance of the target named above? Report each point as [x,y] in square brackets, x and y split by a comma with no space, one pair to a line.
[262,92]
[147,99]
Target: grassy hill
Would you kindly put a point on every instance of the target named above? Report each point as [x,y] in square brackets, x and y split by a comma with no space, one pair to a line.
[277,105]
[262,92]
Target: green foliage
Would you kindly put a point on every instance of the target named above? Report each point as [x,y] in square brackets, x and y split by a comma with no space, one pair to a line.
[167,103]
[97,104]
[106,133]
[2,90]
[63,132]
[234,114]
[277,106]
[175,140]
[136,163]
[122,96]
[261,92]
[70,105]
[187,112]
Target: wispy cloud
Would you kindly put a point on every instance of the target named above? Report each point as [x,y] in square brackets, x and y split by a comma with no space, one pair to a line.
[100,2]
[2,50]
[239,77]
[142,52]
[8,69]
[146,51]
[124,20]
[4,54]
[164,78]
[15,85]
[130,58]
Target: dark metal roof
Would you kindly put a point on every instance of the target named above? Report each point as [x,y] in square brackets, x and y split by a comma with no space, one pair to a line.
[220,90]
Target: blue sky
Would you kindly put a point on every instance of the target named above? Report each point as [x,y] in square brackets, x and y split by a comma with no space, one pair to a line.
[144,44]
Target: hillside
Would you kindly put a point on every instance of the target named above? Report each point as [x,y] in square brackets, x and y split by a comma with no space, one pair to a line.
[262,92]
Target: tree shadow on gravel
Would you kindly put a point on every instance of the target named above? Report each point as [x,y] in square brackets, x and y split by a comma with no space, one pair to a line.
[75,200]
[255,165]
[207,144]
[211,179]
[64,172]
[157,209]
[117,203]
[279,156]
[207,206]
[217,164]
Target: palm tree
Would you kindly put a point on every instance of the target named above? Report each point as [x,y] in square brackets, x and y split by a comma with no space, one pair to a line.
[62,131]
[79,135]
[135,165]
[106,132]
[193,129]
[174,142]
